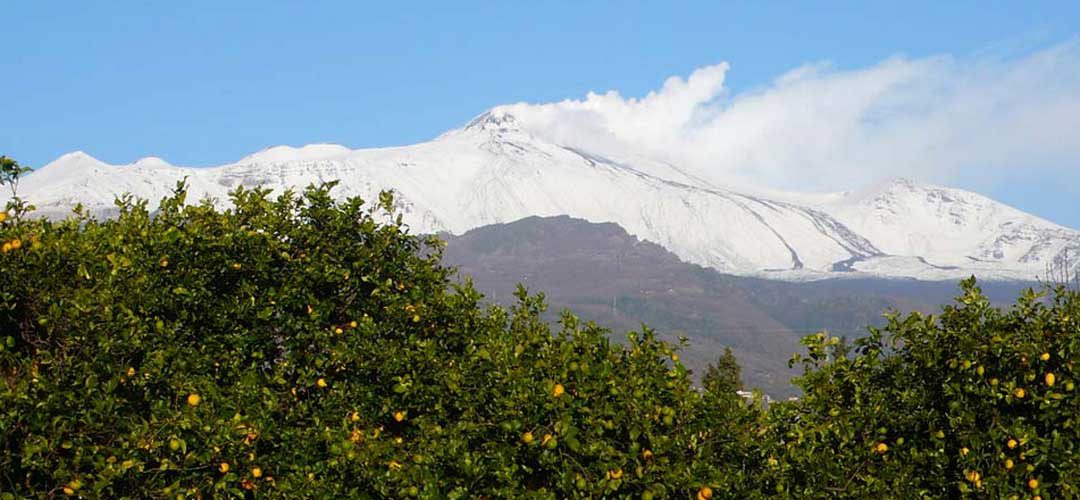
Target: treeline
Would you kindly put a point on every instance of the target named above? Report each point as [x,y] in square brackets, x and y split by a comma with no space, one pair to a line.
[300,346]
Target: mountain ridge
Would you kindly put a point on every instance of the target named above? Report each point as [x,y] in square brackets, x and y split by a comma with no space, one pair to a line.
[493,170]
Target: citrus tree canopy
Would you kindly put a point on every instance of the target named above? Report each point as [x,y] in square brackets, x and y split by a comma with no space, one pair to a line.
[301,346]
[298,346]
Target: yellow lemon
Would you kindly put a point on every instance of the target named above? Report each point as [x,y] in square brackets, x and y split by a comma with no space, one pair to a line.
[193,399]
[1050,379]
[338,331]
[881,448]
[527,438]
[1009,463]
[3,216]
[224,467]
[1019,393]
[256,472]
[615,473]
[399,416]
[558,390]
[1033,483]
[352,324]
[647,454]
[1045,356]
[1011,444]
[6,247]
[321,383]
[964,451]
[130,372]
[16,244]
[705,493]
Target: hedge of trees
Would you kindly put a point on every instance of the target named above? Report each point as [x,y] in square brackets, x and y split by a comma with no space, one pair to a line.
[299,346]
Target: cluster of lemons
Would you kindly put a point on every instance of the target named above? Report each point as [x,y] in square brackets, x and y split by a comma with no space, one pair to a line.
[548,441]
[411,309]
[13,244]
[10,245]
[338,330]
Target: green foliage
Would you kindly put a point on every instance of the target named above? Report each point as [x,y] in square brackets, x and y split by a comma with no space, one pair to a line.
[10,171]
[724,377]
[976,402]
[304,347]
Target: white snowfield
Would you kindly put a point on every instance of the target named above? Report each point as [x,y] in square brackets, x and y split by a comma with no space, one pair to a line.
[492,171]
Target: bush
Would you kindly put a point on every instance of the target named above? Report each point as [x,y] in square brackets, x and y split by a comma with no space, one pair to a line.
[976,402]
[303,347]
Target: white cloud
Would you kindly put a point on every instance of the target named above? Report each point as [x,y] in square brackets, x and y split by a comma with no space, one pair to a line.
[939,119]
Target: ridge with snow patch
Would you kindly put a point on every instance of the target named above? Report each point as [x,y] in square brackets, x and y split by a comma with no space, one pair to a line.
[494,171]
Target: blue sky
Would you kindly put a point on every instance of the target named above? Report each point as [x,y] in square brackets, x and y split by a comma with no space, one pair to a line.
[202,83]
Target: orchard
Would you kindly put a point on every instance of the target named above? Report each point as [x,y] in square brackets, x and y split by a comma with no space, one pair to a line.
[301,346]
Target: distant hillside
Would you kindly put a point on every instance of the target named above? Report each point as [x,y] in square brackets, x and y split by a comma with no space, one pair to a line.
[604,274]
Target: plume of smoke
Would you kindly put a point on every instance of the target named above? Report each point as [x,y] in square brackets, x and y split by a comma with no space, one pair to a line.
[940,119]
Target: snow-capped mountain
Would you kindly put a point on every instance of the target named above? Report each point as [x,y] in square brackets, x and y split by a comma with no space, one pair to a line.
[493,170]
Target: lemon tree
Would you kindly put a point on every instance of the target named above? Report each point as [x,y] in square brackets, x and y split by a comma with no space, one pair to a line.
[298,346]
[975,401]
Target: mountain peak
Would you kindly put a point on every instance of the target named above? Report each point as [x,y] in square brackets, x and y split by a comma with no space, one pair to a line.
[495,120]
[310,152]
[76,156]
[151,161]
[884,188]
[75,159]
[904,182]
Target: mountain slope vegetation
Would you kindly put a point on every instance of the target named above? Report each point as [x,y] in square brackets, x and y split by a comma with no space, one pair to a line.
[621,282]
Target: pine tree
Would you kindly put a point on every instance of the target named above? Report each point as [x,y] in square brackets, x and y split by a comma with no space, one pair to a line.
[724,377]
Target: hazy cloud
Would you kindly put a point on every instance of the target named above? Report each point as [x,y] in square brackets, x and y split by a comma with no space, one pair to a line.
[939,119]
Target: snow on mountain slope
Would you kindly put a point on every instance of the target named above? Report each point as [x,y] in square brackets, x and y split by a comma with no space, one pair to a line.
[494,171]
[952,228]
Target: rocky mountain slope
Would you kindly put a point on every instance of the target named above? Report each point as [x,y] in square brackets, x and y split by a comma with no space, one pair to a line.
[604,274]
